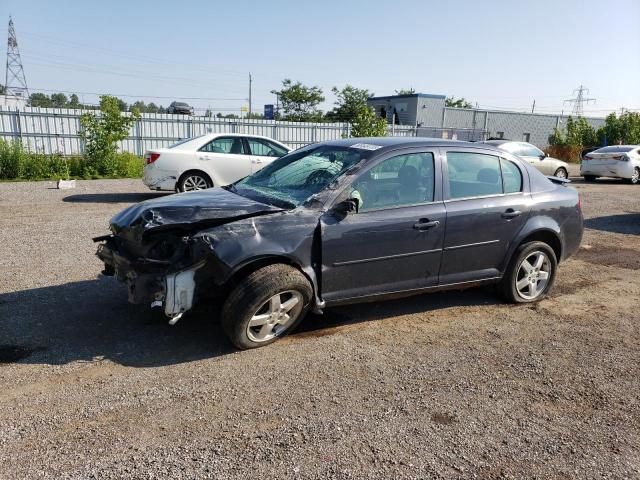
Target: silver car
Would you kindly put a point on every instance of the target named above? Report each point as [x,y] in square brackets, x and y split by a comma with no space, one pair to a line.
[536,157]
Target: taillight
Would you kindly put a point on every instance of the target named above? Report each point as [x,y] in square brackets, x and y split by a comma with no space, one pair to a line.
[151,157]
[587,157]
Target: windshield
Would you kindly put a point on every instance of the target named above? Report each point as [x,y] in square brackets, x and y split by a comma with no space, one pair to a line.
[292,179]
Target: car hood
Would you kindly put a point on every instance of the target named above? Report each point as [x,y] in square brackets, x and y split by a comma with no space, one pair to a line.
[190,210]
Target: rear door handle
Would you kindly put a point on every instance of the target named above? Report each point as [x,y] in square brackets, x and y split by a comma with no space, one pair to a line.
[511,213]
[425,224]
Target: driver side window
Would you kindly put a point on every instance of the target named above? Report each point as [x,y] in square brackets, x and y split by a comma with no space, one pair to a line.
[397,181]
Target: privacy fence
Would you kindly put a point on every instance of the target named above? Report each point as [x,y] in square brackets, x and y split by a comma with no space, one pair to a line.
[53,130]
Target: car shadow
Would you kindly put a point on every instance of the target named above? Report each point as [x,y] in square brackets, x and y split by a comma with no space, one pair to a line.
[123,197]
[91,320]
[627,223]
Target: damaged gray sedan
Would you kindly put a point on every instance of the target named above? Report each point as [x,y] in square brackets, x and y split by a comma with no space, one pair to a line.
[346,221]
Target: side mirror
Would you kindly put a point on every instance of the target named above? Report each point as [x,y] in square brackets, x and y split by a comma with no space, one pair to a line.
[543,156]
[347,206]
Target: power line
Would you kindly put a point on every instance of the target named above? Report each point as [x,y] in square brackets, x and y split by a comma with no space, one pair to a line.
[136,96]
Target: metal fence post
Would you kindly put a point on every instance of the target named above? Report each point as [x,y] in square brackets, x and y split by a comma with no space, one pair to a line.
[140,136]
[19,125]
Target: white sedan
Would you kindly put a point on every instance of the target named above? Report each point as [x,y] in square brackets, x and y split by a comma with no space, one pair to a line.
[215,159]
[619,161]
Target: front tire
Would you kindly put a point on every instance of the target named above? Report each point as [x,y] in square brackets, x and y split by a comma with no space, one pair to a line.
[530,273]
[191,181]
[561,173]
[266,305]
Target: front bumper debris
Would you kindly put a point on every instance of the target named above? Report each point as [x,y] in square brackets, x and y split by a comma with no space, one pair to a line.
[150,281]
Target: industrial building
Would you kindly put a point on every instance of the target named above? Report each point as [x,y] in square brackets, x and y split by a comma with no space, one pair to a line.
[430,115]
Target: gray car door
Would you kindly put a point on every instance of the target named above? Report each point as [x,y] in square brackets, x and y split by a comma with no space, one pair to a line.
[394,242]
[486,200]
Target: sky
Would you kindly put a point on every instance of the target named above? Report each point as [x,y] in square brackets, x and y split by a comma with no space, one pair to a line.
[498,54]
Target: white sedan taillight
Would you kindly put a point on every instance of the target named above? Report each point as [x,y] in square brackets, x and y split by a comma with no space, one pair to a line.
[151,157]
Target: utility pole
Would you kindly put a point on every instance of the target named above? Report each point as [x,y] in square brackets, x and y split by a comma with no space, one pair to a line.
[533,107]
[249,93]
[15,83]
[579,100]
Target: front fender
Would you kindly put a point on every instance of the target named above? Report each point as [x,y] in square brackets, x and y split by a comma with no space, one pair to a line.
[290,236]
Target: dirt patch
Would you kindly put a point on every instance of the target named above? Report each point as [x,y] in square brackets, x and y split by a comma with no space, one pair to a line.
[443,418]
[611,256]
[562,288]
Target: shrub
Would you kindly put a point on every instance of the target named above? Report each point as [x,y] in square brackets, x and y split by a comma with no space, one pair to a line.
[12,159]
[101,133]
[568,153]
[129,165]
[16,163]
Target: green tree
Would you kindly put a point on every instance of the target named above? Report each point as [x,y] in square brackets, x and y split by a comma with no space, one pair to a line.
[101,133]
[457,102]
[139,106]
[59,100]
[623,129]
[367,124]
[122,105]
[74,101]
[405,91]
[578,133]
[300,102]
[40,100]
[349,101]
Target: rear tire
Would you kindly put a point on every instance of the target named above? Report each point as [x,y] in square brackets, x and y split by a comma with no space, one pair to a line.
[561,173]
[194,180]
[590,178]
[531,281]
[635,179]
[266,305]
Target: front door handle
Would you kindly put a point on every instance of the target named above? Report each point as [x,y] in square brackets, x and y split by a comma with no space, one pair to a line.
[425,224]
[511,213]
[256,160]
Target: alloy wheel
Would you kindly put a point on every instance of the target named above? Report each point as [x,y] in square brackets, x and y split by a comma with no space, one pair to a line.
[635,178]
[561,173]
[275,316]
[533,275]
[194,182]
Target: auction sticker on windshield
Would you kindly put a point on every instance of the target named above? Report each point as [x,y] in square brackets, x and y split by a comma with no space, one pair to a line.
[366,146]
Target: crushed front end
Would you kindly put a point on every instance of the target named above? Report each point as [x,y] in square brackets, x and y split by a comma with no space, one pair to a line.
[161,273]
[153,247]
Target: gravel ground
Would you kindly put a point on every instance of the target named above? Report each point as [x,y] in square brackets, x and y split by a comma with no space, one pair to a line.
[445,385]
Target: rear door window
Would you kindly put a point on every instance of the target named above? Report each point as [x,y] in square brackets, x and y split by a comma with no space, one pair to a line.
[473,175]
[265,148]
[229,145]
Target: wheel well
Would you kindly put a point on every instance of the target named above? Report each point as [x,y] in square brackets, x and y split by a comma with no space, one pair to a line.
[548,237]
[258,263]
[200,172]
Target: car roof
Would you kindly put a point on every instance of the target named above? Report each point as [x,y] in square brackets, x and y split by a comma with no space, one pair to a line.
[392,143]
